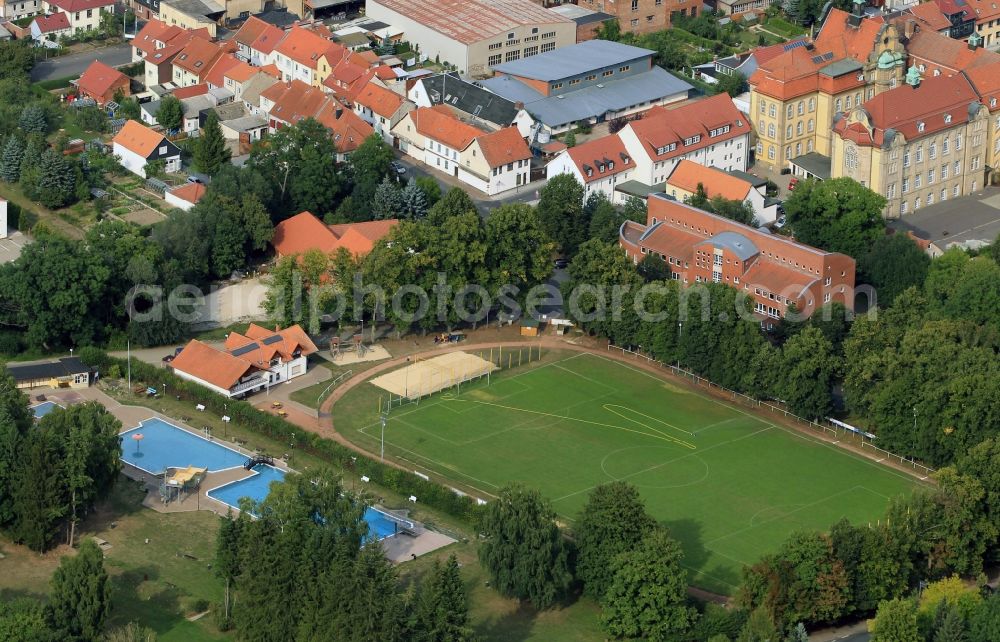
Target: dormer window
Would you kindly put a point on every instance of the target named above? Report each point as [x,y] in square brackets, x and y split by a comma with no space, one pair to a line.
[920,127]
[611,165]
[947,117]
[993,102]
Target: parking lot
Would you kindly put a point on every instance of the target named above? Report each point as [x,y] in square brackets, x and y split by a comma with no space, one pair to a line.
[10,247]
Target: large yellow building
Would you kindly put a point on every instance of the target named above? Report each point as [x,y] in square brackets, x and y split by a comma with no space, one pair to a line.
[918,144]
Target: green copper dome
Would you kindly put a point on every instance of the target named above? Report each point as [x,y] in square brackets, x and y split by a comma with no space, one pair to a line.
[913,76]
[886,60]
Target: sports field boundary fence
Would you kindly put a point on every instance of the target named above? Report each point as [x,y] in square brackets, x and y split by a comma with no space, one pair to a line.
[828,426]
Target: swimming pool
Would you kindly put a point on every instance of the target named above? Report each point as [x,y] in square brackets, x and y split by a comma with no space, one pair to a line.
[256,487]
[165,445]
[44,408]
[380,525]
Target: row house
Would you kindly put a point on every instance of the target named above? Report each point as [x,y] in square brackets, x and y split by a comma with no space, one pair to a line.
[491,162]
[14,9]
[193,63]
[255,40]
[774,272]
[917,145]
[600,165]
[381,108]
[306,55]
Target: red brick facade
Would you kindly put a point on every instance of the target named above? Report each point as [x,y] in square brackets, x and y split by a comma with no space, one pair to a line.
[772,270]
[643,16]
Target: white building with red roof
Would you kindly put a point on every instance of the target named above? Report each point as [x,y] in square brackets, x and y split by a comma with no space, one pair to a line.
[101,82]
[247,363]
[47,30]
[83,15]
[599,165]
[381,108]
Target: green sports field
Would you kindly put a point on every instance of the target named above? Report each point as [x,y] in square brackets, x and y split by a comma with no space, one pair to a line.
[728,484]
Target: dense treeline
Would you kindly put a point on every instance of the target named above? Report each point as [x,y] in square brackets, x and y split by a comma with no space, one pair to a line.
[306,569]
[52,472]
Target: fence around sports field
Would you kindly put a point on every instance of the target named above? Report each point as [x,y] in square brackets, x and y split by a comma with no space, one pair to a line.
[829,426]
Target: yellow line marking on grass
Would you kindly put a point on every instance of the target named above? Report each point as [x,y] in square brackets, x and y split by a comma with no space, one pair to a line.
[659,434]
[609,406]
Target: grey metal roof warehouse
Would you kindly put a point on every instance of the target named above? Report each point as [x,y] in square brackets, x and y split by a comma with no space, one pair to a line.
[573,61]
[589,102]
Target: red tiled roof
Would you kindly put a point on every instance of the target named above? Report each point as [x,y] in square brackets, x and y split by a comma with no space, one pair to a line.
[933,48]
[295,101]
[687,175]
[99,79]
[931,14]
[250,30]
[136,137]
[596,153]
[241,72]
[304,46]
[190,91]
[54,22]
[986,81]
[267,40]
[192,192]
[764,54]
[304,232]
[438,124]
[198,56]
[72,6]
[661,127]
[903,109]
[155,31]
[213,366]
[216,76]
[984,10]
[504,146]
[844,41]
[347,128]
[380,100]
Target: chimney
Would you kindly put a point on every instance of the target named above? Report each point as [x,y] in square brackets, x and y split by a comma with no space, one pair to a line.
[519,105]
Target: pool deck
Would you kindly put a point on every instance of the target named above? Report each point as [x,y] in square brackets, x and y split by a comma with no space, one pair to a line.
[398,548]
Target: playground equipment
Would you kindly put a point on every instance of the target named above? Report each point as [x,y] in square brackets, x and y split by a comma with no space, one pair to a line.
[339,347]
[179,482]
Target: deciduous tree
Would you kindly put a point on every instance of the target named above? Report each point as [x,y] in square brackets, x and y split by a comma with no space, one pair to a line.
[561,212]
[896,621]
[171,113]
[838,215]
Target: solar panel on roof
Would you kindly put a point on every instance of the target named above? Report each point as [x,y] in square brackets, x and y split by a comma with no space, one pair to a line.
[250,347]
[828,55]
[817,59]
[274,338]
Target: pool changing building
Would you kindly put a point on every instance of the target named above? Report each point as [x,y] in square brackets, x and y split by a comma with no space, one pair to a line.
[247,363]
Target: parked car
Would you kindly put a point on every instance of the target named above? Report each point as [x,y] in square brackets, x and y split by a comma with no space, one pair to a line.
[398,167]
[780,222]
[561,264]
[792,183]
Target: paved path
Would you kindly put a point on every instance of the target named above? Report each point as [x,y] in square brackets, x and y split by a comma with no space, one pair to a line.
[75,64]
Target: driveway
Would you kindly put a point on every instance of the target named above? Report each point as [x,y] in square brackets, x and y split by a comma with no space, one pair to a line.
[75,64]
[10,247]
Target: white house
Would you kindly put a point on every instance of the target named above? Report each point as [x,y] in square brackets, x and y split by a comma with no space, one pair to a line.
[83,15]
[136,145]
[687,176]
[47,30]
[185,196]
[709,132]
[600,165]
[381,108]
[248,363]
[14,9]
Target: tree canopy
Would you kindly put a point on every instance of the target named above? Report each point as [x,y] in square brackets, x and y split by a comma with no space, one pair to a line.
[837,215]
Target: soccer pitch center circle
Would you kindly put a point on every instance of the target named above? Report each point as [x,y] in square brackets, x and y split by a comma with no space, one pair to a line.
[655,466]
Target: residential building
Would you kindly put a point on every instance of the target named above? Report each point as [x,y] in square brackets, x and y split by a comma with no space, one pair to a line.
[255,40]
[144,9]
[734,7]
[468,100]
[918,144]
[101,82]
[986,81]
[237,123]
[67,372]
[491,162]
[46,30]
[286,104]
[590,82]
[381,108]
[744,63]
[155,34]
[248,363]
[83,15]
[987,16]
[772,271]
[711,131]
[15,9]
[135,145]
[158,54]
[304,232]
[588,22]
[193,62]
[186,196]
[644,16]
[475,35]
[599,165]
[688,176]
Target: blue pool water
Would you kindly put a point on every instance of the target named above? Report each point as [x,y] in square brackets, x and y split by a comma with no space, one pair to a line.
[381,525]
[164,445]
[44,408]
[255,487]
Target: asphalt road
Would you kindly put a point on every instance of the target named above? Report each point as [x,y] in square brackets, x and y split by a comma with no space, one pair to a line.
[75,64]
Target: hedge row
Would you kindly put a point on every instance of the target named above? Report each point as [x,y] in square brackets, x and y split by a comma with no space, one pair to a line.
[430,493]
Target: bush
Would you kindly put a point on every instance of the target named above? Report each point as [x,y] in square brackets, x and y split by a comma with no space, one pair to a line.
[57,83]
[199,605]
[243,413]
[10,343]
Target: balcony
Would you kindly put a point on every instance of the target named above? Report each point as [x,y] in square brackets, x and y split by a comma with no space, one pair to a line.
[250,384]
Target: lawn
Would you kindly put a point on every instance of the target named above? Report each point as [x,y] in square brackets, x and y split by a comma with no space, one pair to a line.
[784,27]
[728,484]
